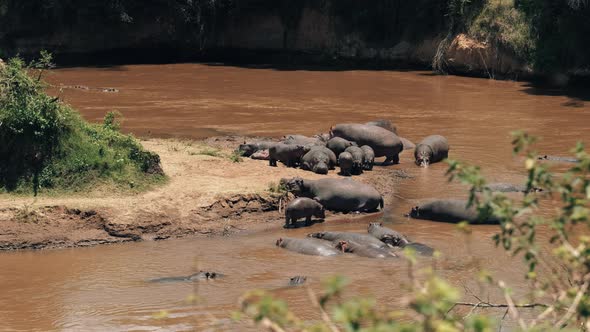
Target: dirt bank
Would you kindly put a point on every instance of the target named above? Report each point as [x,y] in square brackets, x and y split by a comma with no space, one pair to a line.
[207,195]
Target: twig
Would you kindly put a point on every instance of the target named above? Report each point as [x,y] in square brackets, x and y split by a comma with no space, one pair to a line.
[325,317]
[271,325]
[502,321]
[572,309]
[499,305]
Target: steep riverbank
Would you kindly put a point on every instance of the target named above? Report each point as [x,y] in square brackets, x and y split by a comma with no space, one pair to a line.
[207,195]
[488,38]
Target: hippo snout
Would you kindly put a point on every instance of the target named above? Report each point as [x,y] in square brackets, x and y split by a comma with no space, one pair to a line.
[321,168]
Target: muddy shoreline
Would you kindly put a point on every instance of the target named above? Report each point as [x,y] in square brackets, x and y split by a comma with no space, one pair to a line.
[208,195]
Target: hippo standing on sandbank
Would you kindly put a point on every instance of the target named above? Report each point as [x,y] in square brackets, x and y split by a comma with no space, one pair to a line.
[450,210]
[343,195]
[384,142]
[368,157]
[316,161]
[303,207]
[386,124]
[357,159]
[248,149]
[432,149]
[339,144]
[289,154]
[308,246]
[345,162]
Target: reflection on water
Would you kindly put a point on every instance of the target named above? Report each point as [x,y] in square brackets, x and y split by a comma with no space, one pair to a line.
[105,288]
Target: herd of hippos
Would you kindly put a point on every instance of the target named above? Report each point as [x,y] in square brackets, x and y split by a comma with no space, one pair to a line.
[353,148]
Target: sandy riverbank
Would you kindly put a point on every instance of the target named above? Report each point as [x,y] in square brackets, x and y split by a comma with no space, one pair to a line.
[207,195]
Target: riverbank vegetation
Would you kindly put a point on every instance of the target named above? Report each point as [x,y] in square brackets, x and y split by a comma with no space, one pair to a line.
[45,145]
[559,278]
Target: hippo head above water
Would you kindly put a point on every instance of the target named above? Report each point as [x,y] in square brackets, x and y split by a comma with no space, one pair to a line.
[279,241]
[423,157]
[342,245]
[414,213]
[318,235]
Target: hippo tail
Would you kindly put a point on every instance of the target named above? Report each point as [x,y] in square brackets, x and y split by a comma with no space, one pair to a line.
[381,204]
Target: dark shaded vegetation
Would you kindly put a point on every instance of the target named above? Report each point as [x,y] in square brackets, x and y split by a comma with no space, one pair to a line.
[550,36]
[44,144]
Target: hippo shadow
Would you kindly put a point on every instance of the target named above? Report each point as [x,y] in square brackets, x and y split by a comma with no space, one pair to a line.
[302,223]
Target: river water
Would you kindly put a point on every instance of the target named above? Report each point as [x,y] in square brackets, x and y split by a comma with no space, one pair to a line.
[105,288]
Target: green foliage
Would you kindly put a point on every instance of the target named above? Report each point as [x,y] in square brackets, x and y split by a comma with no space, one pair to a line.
[279,188]
[236,157]
[505,26]
[44,144]
[569,258]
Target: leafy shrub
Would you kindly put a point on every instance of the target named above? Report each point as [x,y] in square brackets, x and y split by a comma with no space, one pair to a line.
[503,25]
[44,144]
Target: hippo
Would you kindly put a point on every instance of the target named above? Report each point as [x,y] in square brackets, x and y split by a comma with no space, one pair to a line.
[560,159]
[363,250]
[363,239]
[316,161]
[385,124]
[297,280]
[303,207]
[329,153]
[248,149]
[339,144]
[387,235]
[368,157]
[288,154]
[420,248]
[202,275]
[261,155]
[450,210]
[384,142]
[432,149]
[343,195]
[357,159]
[308,246]
[408,145]
[345,162]
[303,140]
[324,137]
[509,187]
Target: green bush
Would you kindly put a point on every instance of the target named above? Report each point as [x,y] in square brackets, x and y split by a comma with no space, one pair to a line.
[505,26]
[45,144]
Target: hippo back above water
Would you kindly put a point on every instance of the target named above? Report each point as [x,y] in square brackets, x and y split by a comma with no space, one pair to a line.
[384,142]
[308,246]
[343,195]
[450,210]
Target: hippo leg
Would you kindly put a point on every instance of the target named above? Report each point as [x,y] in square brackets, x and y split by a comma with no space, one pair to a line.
[308,221]
[391,160]
[272,162]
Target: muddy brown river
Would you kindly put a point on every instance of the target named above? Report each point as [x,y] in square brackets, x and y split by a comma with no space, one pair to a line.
[106,288]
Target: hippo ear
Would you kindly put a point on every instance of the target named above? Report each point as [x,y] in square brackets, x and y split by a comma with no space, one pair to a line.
[380,224]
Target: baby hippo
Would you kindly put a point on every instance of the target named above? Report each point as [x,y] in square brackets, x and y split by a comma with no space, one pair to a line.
[368,157]
[357,159]
[345,162]
[303,207]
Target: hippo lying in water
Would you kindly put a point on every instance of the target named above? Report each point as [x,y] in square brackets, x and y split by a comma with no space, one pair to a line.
[509,187]
[362,239]
[450,210]
[308,246]
[363,250]
[384,142]
[343,195]
[202,275]
[396,239]
[432,149]
[297,280]
[560,159]
[387,235]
